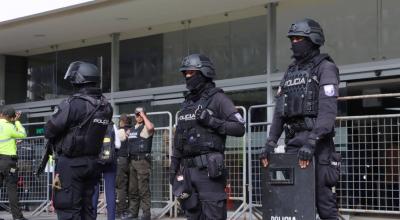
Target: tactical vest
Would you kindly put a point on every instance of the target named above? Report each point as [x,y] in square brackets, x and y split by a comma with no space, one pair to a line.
[86,138]
[299,93]
[192,138]
[137,144]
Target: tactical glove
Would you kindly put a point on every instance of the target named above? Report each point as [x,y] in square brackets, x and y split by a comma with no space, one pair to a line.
[307,151]
[204,117]
[268,149]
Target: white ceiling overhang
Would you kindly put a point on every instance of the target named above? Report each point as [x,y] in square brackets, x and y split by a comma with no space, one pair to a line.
[100,18]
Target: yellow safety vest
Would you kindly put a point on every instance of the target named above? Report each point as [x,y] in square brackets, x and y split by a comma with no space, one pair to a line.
[8,133]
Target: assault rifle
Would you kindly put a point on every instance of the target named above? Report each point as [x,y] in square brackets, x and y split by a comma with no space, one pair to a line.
[48,151]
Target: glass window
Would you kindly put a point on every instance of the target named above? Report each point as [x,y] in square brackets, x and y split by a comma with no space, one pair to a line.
[42,77]
[237,49]
[390,29]
[46,71]
[373,106]
[15,79]
[350,30]
[141,63]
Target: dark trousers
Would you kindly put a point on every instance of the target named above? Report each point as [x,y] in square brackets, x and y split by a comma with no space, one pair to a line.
[325,198]
[109,174]
[78,177]
[139,187]
[122,183]
[212,196]
[8,173]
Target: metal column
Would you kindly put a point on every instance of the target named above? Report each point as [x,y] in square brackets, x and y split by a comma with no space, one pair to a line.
[114,69]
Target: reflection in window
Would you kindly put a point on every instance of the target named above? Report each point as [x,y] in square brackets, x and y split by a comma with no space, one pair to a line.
[348,28]
[237,49]
[46,71]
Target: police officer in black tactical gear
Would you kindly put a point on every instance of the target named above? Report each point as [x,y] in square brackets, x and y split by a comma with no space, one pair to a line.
[306,109]
[207,116]
[76,129]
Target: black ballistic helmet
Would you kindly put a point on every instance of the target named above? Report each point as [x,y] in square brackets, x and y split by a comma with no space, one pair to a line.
[308,28]
[198,62]
[81,73]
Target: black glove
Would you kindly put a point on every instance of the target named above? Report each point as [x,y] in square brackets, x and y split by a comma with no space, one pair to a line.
[204,117]
[307,151]
[268,149]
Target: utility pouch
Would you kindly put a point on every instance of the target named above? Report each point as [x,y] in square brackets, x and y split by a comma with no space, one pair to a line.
[216,166]
[183,191]
[107,153]
[332,168]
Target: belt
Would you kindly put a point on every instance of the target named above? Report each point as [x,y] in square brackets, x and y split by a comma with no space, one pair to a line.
[139,156]
[197,161]
[4,156]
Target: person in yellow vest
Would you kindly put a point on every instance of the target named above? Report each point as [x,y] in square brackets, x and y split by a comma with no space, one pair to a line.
[10,129]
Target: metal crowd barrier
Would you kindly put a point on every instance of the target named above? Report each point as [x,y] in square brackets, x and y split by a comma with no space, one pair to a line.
[369,182]
[370,149]
[256,136]
[235,161]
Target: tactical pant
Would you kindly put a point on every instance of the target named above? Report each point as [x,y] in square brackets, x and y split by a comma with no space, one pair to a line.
[325,198]
[122,183]
[139,187]
[78,177]
[8,173]
[212,196]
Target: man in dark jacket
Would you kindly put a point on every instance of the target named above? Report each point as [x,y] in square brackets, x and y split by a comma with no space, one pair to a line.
[207,116]
[306,109]
[76,129]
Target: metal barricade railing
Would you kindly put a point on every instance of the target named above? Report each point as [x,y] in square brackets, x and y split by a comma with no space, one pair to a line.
[370,149]
[256,136]
[235,161]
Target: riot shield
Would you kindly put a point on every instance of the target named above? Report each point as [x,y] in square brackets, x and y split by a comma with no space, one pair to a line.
[288,191]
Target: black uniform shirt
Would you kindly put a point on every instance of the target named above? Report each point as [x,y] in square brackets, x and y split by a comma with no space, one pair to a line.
[328,77]
[228,120]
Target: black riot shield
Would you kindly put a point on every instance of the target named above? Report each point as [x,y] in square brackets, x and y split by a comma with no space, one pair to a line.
[288,191]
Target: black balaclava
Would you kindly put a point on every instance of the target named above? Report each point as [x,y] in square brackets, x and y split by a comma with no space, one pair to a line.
[195,83]
[303,49]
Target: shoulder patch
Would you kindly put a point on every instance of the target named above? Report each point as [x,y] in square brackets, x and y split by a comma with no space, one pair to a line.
[329,90]
[239,117]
